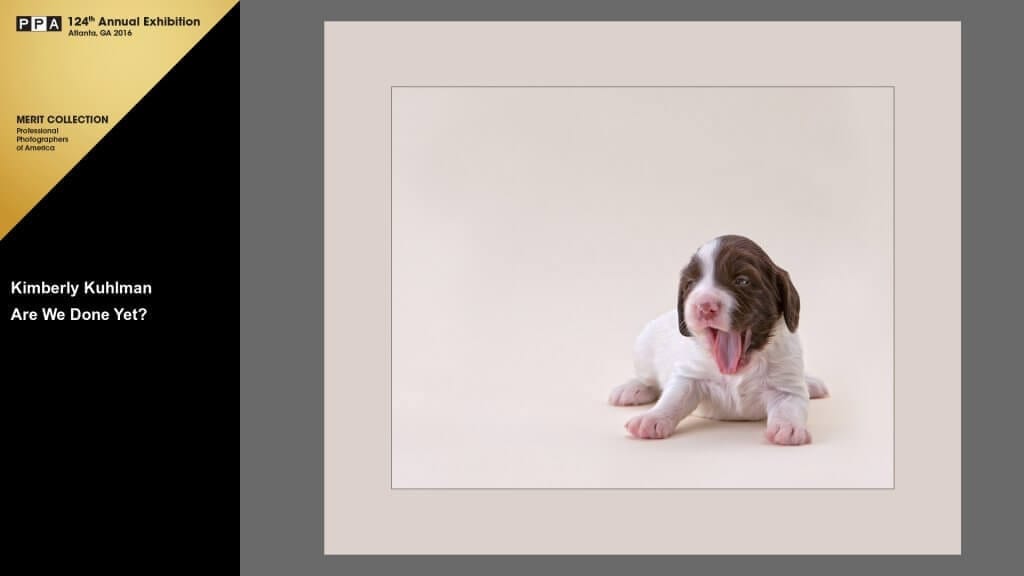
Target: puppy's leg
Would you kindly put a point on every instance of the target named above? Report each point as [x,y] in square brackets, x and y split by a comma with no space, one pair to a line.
[816,387]
[643,388]
[787,418]
[677,401]
[635,392]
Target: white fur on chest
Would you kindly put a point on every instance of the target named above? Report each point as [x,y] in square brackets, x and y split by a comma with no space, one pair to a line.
[662,353]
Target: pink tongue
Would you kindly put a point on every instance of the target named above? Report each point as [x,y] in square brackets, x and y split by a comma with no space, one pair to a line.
[728,348]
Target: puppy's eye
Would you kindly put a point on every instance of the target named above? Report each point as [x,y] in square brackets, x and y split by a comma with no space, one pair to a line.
[741,280]
[688,284]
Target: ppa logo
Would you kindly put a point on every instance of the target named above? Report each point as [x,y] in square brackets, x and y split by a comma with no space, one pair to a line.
[38,23]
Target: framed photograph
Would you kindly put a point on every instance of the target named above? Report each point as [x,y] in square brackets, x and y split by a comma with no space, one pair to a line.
[608,267]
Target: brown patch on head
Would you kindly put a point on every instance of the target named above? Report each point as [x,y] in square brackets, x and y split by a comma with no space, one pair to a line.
[687,280]
[762,290]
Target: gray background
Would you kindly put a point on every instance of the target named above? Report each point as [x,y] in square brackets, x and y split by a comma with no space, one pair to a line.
[281,274]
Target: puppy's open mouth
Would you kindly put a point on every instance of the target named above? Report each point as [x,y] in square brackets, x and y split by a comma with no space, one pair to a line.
[729,349]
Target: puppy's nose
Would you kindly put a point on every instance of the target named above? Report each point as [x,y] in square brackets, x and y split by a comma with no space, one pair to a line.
[708,308]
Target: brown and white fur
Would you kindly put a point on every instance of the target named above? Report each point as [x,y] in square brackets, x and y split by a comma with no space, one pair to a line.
[729,350]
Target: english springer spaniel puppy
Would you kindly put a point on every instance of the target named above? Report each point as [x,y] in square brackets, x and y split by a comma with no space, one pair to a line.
[729,350]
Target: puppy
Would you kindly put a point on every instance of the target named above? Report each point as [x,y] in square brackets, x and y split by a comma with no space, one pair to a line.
[729,350]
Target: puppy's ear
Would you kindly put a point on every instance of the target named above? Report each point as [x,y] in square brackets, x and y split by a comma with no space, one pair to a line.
[789,299]
[681,308]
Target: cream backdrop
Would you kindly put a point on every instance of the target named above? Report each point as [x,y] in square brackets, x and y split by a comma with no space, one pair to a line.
[535,231]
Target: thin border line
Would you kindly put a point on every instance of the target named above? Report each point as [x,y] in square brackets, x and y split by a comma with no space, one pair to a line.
[893,288]
[391,439]
[644,86]
[391,399]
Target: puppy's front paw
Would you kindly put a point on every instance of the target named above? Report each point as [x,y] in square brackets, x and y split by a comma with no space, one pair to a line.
[787,434]
[651,425]
[633,393]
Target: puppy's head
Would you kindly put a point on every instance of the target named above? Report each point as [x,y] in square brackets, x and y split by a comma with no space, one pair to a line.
[731,295]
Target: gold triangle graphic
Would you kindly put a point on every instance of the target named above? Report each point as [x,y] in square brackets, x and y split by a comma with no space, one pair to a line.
[71,71]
